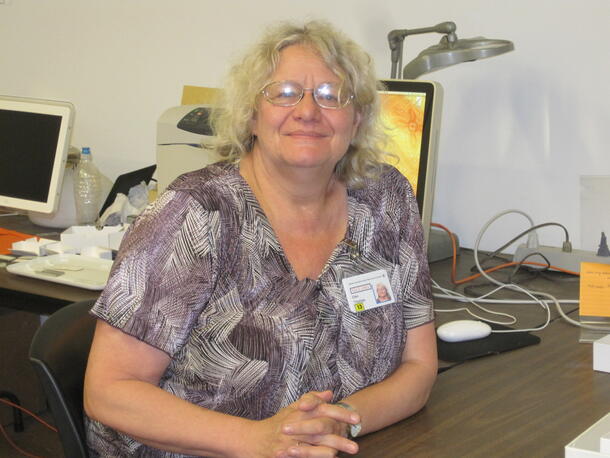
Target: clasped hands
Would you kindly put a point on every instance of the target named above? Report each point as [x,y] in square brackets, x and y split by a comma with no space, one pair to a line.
[309,427]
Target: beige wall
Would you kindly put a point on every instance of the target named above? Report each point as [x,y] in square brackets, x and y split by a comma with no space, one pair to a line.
[518,130]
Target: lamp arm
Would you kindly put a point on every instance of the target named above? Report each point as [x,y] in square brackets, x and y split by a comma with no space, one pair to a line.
[397,37]
[396,53]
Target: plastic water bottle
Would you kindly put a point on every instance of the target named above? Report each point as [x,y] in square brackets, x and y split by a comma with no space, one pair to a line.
[87,189]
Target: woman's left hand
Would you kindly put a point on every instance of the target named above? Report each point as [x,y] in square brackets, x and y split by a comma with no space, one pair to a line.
[322,426]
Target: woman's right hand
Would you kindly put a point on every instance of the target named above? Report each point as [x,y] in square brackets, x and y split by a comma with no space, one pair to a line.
[309,427]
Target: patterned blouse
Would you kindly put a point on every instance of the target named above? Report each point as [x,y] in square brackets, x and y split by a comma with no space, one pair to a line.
[202,277]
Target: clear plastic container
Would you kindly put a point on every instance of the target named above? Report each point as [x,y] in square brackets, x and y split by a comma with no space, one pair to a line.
[87,189]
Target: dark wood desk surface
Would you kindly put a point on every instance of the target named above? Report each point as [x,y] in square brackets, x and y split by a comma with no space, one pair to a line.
[528,402]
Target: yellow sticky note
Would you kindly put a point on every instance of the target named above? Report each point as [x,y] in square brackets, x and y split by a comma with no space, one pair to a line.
[594,289]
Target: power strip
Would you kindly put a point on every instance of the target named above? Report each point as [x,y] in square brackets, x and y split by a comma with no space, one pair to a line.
[558,258]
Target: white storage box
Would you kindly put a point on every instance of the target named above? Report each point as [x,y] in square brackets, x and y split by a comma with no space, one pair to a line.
[601,355]
[589,443]
[84,236]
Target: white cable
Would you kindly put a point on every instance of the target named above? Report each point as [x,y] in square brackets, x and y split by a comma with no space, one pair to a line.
[514,319]
[503,301]
[457,296]
[519,288]
[542,304]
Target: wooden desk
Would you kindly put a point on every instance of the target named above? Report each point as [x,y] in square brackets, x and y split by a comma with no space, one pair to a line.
[38,296]
[528,402]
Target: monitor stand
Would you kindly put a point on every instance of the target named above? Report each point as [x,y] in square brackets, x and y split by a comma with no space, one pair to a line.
[65,215]
[439,245]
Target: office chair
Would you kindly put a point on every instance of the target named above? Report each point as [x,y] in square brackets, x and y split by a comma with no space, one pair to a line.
[59,352]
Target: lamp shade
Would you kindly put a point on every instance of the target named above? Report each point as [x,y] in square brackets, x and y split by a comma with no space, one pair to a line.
[448,53]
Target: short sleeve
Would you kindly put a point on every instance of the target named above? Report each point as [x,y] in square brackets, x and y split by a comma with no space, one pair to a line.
[164,273]
[417,296]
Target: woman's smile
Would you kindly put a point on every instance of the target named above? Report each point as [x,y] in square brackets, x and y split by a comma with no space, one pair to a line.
[304,133]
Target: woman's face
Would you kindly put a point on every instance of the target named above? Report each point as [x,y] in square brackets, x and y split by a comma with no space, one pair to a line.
[304,135]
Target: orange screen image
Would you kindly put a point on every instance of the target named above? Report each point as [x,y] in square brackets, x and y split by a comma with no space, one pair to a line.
[403,117]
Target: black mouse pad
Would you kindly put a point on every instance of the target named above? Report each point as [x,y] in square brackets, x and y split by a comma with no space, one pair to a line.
[493,344]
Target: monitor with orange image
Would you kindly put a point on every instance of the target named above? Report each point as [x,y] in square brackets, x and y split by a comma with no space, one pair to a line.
[411,114]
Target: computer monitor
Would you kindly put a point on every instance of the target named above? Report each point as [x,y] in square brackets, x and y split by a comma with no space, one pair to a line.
[34,141]
[411,112]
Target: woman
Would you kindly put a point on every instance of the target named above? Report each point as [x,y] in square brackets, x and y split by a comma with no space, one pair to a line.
[382,293]
[225,328]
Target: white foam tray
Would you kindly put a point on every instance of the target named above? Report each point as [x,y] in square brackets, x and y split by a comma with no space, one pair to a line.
[68,269]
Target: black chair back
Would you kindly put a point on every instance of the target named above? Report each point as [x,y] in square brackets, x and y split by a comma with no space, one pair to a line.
[59,353]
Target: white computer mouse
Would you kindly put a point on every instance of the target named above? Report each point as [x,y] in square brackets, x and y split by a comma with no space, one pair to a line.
[462,330]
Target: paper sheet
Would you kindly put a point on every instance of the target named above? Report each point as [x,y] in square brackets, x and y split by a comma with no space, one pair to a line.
[594,289]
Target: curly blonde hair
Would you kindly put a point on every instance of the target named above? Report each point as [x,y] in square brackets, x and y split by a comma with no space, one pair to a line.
[231,118]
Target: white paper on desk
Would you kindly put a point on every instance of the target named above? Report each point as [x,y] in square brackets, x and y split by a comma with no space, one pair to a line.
[83,236]
[124,208]
[97,252]
[113,214]
[30,247]
[59,248]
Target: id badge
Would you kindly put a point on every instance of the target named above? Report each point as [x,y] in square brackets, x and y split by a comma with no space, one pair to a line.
[368,291]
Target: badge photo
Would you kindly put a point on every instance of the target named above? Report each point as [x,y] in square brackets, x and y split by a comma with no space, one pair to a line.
[369,290]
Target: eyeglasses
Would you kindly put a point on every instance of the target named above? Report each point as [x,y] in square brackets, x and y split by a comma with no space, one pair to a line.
[289,93]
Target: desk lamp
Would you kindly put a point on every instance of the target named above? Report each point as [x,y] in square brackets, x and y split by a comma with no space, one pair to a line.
[449,51]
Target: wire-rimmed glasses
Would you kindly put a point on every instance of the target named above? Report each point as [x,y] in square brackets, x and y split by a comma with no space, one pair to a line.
[289,93]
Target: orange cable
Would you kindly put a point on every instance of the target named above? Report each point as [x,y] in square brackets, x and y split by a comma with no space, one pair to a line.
[33,415]
[492,269]
[36,417]
[15,446]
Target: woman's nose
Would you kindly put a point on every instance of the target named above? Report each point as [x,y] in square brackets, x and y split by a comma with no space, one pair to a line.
[307,109]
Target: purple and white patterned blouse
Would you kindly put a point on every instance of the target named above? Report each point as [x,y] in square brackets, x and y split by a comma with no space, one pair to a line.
[202,277]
